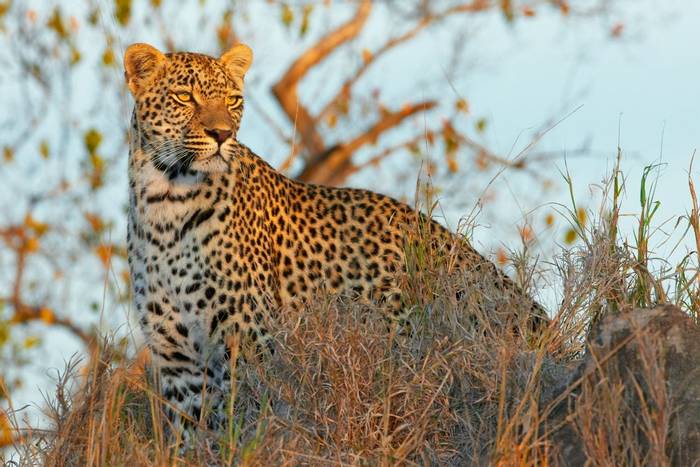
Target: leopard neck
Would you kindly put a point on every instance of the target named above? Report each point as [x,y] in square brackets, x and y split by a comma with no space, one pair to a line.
[157,199]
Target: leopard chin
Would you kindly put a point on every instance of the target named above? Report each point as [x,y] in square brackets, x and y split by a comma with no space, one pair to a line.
[216,163]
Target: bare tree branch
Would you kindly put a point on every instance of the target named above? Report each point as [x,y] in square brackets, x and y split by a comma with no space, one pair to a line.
[386,152]
[332,165]
[426,20]
[285,91]
[25,313]
[15,237]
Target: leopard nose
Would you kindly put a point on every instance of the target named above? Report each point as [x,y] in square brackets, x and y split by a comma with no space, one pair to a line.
[218,134]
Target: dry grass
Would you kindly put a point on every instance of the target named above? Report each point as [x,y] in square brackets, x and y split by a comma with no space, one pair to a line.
[458,390]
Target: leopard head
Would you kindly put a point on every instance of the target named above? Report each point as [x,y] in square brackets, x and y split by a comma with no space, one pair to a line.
[188,106]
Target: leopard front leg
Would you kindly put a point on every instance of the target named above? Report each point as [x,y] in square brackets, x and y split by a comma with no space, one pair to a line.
[190,384]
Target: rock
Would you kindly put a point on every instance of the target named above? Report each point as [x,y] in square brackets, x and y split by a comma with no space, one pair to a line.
[635,397]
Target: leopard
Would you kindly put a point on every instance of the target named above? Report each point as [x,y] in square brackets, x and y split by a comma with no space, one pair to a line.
[219,242]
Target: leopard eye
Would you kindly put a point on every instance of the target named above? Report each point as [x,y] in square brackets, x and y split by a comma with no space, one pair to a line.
[183,96]
[234,101]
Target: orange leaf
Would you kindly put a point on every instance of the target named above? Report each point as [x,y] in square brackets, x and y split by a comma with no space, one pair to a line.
[549,220]
[451,139]
[95,221]
[526,233]
[39,228]
[462,105]
[5,430]
[108,57]
[126,277]
[287,15]
[31,341]
[31,245]
[104,252]
[481,161]
[414,149]
[501,257]
[528,11]
[47,316]
[74,23]
[452,165]
[44,149]
[366,55]
[8,154]
[564,7]
[581,215]
[617,29]
[331,120]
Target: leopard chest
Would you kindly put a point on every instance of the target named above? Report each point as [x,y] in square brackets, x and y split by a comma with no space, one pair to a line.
[179,263]
[208,265]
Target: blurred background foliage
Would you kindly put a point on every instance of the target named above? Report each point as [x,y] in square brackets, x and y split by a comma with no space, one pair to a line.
[326,103]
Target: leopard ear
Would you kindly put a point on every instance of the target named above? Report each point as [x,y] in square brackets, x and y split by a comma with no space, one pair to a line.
[238,59]
[141,61]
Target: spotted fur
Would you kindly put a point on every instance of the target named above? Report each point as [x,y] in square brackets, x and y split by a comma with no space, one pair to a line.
[219,241]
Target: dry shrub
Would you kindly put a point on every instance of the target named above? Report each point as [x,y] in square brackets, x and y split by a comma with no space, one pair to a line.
[456,385]
[344,386]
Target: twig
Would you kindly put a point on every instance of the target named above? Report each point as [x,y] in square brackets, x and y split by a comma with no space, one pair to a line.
[24,313]
[384,154]
[330,166]
[285,90]
[427,20]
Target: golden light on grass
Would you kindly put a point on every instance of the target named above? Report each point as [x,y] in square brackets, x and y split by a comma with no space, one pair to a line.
[345,386]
